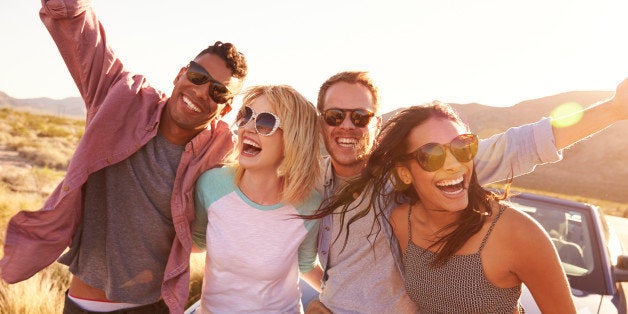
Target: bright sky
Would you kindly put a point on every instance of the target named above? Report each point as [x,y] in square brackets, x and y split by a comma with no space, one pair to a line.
[495,52]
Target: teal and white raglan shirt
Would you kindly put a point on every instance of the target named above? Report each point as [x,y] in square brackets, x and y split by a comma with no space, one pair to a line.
[254,252]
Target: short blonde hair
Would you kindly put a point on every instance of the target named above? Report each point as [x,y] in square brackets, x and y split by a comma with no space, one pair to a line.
[300,168]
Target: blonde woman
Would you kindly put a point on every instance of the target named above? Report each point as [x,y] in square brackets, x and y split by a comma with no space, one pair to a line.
[246,211]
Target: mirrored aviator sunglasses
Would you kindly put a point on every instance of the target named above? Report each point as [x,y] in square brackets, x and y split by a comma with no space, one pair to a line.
[218,92]
[431,156]
[359,117]
[265,123]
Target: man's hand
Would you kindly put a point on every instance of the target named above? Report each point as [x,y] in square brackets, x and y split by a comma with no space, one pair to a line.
[620,100]
[316,307]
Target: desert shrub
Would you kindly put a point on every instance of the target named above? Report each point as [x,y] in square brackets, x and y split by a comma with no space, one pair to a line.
[41,154]
[42,293]
[52,130]
[11,202]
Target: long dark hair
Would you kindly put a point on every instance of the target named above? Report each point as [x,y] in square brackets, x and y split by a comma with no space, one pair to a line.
[381,186]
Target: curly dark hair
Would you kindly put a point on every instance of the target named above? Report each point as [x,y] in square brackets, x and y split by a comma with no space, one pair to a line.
[235,60]
[378,183]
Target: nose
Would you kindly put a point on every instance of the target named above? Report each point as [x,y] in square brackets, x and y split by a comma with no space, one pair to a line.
[249,125]
[451,163]
[346,121]
[201,92]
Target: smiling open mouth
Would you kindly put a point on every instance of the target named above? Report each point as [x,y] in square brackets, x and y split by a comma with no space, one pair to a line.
[190,105]
[250,148]
[451,186]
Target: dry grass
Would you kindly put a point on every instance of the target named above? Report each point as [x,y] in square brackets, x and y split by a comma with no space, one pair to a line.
[43,140]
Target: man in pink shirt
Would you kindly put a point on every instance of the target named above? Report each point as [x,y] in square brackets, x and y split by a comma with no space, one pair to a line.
[126,204]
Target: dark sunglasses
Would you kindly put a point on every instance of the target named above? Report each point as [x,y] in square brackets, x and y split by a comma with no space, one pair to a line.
[218,92]
[359,117]
[266,123]
[431,156]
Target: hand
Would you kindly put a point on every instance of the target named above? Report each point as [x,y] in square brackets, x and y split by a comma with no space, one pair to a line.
[620,100]
[316,307]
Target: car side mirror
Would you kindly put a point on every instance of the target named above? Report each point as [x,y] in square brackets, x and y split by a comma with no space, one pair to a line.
[620,271]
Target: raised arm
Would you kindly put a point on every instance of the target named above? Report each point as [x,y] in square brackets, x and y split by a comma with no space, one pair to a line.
[516,152]
[82,43]
[593,119]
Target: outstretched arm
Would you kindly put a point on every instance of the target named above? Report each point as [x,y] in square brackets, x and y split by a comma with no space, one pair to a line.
[516,152]
[591,120]
[520,149]
[82,43]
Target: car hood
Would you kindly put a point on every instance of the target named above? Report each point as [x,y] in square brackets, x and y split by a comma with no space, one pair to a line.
[585,302]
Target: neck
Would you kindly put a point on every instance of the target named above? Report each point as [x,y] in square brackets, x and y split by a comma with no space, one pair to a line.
[175,134]
[348,171]
[434,220]
[263,189]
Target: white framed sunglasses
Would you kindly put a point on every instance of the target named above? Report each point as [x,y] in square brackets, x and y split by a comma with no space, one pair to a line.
[265,123]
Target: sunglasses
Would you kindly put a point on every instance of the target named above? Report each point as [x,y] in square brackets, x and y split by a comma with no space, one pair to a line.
[218,92]
[266,123]
[359,117]
[431,156]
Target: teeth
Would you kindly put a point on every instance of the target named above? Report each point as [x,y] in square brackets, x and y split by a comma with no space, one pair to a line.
[449,182]
[191,105]
[346,141]
[249,142]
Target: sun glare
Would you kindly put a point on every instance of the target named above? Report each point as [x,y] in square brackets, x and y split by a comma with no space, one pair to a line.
[566,114]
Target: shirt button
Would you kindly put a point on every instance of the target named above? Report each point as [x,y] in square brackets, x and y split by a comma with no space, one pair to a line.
[66,188]
[326,228]
[324,252]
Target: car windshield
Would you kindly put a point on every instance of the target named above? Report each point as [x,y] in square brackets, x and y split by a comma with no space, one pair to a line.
[568,230]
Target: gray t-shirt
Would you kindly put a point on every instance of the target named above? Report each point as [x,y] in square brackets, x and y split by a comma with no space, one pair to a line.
[123,242]
[347,287]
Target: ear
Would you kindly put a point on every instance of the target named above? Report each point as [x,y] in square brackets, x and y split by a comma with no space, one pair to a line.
[181,72]
[377,124]
[404,174]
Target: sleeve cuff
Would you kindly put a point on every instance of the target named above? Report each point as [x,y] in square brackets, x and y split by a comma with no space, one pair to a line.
[545,143]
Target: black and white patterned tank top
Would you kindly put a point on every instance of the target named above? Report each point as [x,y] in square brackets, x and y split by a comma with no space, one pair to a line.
[459,286]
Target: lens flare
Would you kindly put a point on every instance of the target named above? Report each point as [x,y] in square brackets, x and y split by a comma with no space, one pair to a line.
[566,115]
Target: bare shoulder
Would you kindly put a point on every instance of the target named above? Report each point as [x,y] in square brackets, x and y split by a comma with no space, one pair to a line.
[519,226]
[399,223]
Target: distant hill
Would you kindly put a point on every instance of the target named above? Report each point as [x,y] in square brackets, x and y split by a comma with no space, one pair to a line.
[72,107]
[593,168]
